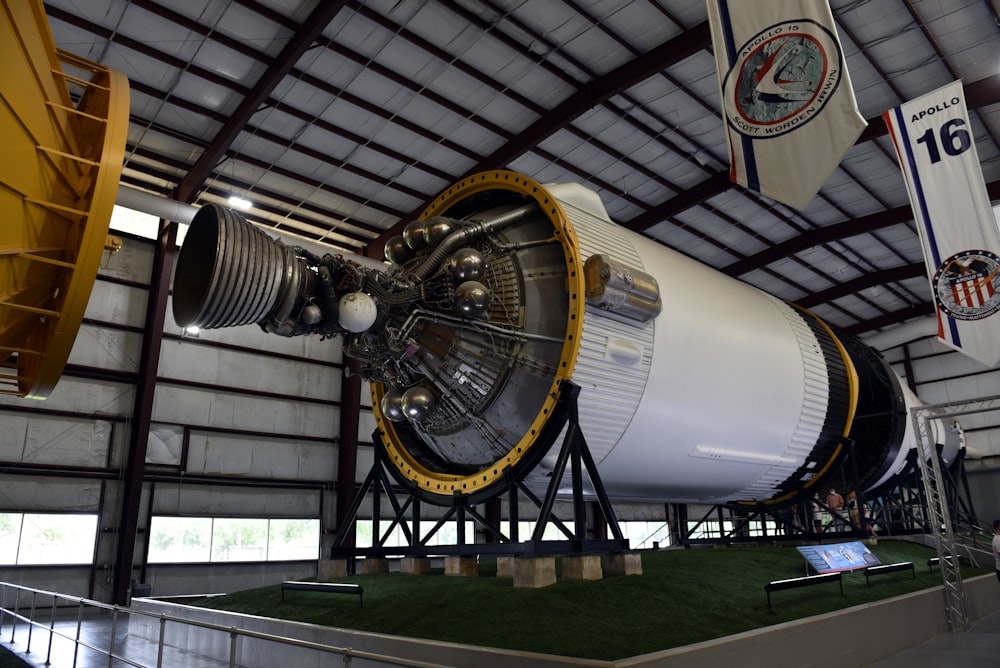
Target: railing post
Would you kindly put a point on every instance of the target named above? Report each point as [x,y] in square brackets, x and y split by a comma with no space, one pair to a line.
[163,635]
[17,611]
[347,656]
[31,621]
[52,629]
[111,640]
[79,625]
[233,635]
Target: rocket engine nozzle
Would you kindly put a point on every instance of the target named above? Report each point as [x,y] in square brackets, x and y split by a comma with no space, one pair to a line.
[230,273]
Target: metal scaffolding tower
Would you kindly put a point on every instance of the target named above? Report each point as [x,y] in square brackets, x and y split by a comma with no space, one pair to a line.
[937,501]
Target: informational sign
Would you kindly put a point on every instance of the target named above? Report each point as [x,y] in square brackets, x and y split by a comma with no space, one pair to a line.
[958,231]
[838,556]
[789,109]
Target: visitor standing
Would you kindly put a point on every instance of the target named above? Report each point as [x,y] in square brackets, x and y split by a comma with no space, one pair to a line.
[996,546]
[834,501]
[852,508]
[816,511]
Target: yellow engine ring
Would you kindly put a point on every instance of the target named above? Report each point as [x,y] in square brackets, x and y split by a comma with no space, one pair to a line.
[449,484]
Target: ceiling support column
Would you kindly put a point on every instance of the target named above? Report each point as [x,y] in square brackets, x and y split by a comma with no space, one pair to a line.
[347,448]
[142,413]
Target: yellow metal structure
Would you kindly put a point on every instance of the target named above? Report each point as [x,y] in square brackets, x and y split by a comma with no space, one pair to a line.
[63,126]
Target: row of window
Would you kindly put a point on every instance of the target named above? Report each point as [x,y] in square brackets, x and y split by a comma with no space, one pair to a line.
[211,539]
[715,529]
[641,535]
[51,538]
[30,538]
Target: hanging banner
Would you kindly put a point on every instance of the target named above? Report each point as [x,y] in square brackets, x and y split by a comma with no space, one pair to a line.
[786,97]
[958,232]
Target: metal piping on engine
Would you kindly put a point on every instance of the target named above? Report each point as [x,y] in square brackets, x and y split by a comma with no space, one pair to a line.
[473,231]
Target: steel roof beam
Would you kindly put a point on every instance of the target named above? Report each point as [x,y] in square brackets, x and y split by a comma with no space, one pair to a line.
[891,319]
[864,282]
[308,32]
[599,90]
[980,93]
[830,233]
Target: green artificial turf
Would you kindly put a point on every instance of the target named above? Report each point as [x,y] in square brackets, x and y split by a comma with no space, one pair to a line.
[682,597]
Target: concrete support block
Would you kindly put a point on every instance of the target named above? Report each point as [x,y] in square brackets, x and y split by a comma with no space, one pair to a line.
[331,569]
[461,566]
[534,572]
[374,566]
[585,567]
[505,567]
[415,565]
[626,563]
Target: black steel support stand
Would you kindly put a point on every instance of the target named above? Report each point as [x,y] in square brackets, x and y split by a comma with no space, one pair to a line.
[574,450]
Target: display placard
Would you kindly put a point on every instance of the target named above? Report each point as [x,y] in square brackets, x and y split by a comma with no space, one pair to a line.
[838,556]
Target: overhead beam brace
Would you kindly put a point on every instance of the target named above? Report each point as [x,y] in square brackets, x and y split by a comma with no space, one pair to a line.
[978,94]
[891,318]
[714,185]
[829,233]
[297,45]
[863,282]
[599,91]
[593,93]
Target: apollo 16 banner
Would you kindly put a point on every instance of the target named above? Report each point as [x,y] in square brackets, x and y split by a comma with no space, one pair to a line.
[786,97]
[958,231]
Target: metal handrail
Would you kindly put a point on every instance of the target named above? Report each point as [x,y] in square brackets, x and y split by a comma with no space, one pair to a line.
[16,614]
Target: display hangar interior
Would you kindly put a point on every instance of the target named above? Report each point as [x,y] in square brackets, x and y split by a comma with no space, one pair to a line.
[334,125]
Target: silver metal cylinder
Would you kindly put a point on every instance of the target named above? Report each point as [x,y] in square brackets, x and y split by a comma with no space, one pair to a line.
[621,288]
[230,273]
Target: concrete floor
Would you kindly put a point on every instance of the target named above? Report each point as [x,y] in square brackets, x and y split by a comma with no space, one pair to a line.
[977,648]
[96,641]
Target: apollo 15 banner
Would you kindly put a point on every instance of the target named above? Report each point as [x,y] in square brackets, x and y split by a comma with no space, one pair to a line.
[786,97]
[958,231]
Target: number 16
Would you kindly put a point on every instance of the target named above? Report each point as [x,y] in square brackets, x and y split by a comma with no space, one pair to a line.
[954,139]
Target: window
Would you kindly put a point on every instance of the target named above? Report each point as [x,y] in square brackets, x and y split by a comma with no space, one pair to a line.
[292,539]
[712,529]
[642,535]
[10,537]
[709,529]
[220,539]
[173,539]
[446,535]
[47,538]
[140,224]
[239,539]
[526,529]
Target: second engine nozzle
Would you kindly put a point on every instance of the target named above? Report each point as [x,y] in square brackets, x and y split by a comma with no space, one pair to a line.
[230,273]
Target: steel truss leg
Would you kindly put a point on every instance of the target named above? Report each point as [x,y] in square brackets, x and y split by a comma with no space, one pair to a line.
[573,451]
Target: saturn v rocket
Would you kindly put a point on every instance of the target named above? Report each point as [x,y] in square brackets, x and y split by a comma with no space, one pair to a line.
[693,387]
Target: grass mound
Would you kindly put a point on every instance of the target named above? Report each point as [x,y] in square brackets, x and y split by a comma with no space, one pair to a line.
[682,597]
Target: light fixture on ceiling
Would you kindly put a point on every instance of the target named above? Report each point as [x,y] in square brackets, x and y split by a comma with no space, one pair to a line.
[240,203]
[191,331]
